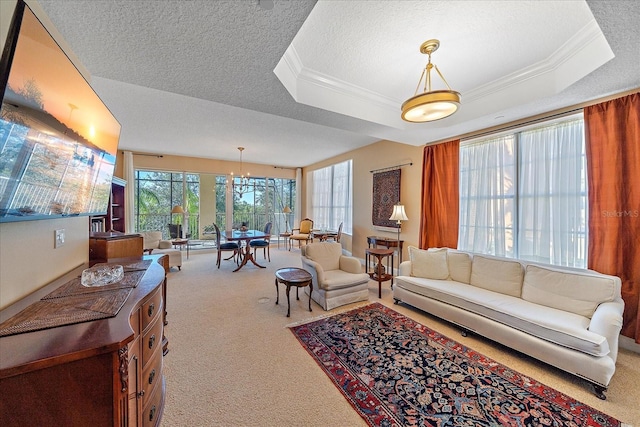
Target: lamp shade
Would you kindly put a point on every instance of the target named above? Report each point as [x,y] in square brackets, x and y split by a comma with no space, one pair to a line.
[430,106]
[177,209]
[286,209]
[398,213]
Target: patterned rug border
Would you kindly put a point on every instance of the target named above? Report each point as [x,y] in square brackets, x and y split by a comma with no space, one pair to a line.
[492,365]
[335,312]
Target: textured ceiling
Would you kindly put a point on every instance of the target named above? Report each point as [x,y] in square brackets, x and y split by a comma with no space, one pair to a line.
[197,77]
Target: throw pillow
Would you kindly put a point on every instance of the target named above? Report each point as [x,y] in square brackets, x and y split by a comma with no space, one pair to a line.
[429,264]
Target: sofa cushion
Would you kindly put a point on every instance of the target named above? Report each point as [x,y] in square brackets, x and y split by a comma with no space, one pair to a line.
[577,292]
[327,254]
[557,326]
[430,264]
[498,275]
[459,266]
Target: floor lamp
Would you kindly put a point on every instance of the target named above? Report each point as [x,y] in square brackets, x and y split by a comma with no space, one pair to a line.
[286,211]
[398,215]
[177,209]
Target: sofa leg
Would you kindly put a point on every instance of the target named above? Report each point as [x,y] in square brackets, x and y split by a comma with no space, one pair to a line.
[179,268]
[396,301]
[464,332]
[599,391]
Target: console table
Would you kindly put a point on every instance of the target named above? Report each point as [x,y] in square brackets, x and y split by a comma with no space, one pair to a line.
[106,372]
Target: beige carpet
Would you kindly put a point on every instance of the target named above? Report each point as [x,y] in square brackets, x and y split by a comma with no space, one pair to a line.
[232,360]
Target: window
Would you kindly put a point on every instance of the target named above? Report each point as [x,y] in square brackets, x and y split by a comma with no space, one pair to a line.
[331,200]
[263,202]
[155,194]
[524,194]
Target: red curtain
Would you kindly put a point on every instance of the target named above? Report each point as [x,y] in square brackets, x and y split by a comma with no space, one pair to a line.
[440,196]
[613,169]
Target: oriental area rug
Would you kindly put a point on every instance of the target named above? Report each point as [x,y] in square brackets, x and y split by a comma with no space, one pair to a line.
[397,372]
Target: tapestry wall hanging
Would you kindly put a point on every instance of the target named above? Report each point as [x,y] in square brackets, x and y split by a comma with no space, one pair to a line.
[386,193]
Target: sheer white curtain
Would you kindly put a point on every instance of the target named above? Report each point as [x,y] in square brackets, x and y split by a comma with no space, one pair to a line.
[552,194]
[331,199]
[524,195]
[487,190]
[342,197]
[321,197]
[129,192]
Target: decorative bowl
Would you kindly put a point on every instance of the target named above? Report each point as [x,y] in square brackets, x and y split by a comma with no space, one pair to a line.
[102,275]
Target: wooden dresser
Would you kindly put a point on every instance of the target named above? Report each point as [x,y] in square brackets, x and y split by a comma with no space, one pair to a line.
[106,372]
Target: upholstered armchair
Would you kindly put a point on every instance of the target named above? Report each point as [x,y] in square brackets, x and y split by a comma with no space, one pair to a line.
[337,279]
[302,233]
[153,243]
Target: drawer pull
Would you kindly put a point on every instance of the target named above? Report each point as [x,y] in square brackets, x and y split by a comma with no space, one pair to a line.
[152,375]
[152,340]
[152,308]
[152,413]
[141,393]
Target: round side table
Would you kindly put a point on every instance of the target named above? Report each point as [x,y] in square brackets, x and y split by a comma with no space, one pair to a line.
[286,236]
[292,276]
[379,272]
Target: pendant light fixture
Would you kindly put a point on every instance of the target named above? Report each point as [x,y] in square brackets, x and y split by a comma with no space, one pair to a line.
[242,186]
[430,105]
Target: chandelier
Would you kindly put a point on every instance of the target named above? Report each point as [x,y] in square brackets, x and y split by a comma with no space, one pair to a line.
[242,185]
[430,105]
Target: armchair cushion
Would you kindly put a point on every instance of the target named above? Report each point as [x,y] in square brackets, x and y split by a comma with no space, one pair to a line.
[338,279]
[151,239]
[350,264]
[164,244]
[325,254]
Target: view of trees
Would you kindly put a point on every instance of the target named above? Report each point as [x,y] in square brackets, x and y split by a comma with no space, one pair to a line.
[156,192]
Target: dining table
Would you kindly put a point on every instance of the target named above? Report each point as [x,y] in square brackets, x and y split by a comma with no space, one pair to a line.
[323,235]
[243,238]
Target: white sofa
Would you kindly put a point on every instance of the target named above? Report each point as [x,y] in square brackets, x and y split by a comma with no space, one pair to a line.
[568,318]
[153,243]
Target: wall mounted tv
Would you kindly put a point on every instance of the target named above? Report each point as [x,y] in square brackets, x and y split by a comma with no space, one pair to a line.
[58,141]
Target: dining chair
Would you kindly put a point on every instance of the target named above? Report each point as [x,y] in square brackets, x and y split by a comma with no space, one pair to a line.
[263,243]
[228,246]
[304,232]
[338,235]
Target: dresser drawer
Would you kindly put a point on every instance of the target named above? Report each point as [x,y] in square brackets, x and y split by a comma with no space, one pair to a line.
[151,309]
[151,376]
[152,412]
[151,340]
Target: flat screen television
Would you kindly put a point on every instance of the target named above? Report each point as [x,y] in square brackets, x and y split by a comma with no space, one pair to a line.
[58,141]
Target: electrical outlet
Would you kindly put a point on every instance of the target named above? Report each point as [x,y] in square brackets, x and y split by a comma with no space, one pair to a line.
[59,238]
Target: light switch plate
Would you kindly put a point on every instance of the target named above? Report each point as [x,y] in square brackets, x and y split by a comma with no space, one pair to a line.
[59,238]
